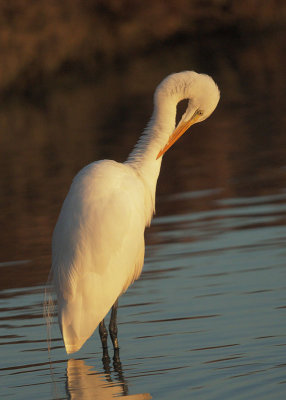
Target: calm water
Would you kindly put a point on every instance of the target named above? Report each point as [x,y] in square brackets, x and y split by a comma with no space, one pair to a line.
[206,320]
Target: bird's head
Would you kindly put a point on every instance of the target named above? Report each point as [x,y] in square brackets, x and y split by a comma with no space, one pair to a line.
[201,92]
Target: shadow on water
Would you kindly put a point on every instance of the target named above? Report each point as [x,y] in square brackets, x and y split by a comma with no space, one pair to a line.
[206,320]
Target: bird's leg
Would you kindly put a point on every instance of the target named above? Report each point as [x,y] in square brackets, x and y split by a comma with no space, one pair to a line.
[113,329]
[106,365]
[118,369]
[103,336]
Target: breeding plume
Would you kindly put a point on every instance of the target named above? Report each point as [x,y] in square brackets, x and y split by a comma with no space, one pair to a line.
[98,242]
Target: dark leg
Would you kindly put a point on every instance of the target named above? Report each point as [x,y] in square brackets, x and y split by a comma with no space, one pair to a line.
[118,369]
[113,328]
[103,336]
[106,364]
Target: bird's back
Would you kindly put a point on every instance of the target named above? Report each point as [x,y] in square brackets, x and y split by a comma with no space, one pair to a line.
[98,246]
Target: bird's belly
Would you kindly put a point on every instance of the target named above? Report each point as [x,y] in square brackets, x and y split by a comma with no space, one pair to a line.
[98,247]
[94,285]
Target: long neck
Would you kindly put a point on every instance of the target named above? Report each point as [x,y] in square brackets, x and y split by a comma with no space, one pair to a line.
[155,136]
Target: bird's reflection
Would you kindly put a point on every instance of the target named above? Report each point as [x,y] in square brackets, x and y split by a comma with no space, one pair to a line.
[83,382]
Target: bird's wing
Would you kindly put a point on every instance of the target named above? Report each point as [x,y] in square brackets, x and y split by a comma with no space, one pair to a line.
[98,246]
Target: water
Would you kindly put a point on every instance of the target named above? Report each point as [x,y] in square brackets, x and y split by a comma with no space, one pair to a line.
[206,320]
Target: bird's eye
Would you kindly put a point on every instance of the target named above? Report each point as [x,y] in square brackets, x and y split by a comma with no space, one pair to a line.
[199,112]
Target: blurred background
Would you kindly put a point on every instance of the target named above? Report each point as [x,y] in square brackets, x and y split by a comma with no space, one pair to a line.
[76,85]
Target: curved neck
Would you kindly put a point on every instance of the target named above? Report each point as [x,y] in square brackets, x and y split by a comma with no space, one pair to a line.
[143,157]
[155,136]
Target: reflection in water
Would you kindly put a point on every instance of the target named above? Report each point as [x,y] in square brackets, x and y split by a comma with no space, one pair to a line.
[205,321]
[216,247]
[241,149]
[83,382]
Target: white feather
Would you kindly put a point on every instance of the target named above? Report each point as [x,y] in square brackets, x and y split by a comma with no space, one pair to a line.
[98,241]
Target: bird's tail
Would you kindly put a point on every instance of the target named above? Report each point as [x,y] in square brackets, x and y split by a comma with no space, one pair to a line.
[48,313]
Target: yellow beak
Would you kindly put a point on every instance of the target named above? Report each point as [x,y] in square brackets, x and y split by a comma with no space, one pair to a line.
[178,132]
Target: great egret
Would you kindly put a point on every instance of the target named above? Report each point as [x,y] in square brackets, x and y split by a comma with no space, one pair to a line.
[98,242]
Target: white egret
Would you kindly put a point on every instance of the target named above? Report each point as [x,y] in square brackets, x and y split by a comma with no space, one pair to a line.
[98,242]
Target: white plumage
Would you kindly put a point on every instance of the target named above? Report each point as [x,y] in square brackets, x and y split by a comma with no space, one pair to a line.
[98,241]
